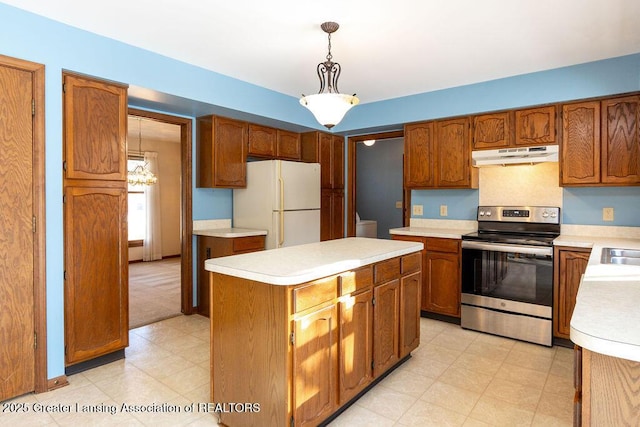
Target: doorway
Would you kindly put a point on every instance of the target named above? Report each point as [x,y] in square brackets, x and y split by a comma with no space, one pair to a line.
[181,261]
[352,164]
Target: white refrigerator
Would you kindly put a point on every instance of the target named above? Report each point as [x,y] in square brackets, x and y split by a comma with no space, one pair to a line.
[283,198]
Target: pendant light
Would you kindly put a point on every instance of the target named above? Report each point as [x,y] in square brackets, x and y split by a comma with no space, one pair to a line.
[141,175]
[329,106]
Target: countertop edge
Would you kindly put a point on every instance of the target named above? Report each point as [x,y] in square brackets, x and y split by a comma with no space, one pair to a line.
[605,346]
[229,232]
[445,233]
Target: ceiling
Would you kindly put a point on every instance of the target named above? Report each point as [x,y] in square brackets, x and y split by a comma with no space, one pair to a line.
[141,129]
[387,49]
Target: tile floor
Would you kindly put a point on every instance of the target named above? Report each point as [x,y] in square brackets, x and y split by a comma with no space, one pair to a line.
[455,378]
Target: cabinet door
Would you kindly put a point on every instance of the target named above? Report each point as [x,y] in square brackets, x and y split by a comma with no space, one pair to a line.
[442,284]
[491,131]
[570,267]
[580,158]
[453,153]
[386,320]
[356,344]
[337,161]
[229,153]
[325,158]
[419,170]
[331,214]
[536,126]
[410,312]
[621,140]
[96,272]
[95,129]
[288,145]
[315,364]
[262,141]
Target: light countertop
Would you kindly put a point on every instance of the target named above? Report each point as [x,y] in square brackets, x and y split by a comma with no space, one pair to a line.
[303,263]
[606,318]
[230,232]
[446,233]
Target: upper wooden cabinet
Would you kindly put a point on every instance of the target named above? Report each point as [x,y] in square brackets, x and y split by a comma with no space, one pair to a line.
[95,129]
[328,150]
[491,131]
[580,152]
[601,142]
[273,143]
[419,152]
[438,155]
[222,152]
[288,145]
[535,126]
[620,140]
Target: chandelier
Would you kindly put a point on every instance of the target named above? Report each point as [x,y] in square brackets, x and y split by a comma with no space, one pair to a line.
[141,175]
[329,105]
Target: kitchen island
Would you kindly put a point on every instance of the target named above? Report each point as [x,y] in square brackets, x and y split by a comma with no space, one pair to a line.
[298,333]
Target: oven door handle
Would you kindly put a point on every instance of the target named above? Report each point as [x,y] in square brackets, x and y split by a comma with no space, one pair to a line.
[496,247]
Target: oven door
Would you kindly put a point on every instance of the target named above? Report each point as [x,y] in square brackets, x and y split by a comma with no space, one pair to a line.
[517,273]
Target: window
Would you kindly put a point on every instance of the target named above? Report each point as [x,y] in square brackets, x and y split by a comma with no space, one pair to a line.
[137,209]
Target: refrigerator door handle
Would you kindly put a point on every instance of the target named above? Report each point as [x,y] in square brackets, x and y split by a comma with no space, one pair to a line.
[281,236]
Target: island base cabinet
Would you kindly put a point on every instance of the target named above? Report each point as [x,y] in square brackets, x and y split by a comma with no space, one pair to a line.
[610,391]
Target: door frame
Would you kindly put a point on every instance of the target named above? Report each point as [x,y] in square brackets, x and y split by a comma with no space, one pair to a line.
[41,383]
[186,211]
[351,167]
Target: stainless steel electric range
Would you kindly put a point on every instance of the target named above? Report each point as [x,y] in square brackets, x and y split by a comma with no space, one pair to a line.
[507,272]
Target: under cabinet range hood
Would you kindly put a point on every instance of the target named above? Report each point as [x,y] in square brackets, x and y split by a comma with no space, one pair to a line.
[515,156]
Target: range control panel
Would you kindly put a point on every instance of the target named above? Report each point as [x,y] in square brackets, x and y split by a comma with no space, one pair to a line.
[542,214]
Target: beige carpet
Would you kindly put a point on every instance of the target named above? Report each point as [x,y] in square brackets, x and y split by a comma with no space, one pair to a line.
[154,291]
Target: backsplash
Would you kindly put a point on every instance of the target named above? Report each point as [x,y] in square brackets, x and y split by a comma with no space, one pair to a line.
[522,185]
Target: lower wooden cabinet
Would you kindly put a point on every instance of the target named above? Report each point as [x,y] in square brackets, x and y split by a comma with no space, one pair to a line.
[334,338]
[214,247]
[331,214]
[441,277]
[606,390]
[570,264]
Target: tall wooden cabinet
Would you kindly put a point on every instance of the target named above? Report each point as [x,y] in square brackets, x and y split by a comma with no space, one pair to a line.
[328,150]
[95,218]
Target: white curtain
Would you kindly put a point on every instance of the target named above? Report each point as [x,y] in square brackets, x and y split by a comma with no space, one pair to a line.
[152,246]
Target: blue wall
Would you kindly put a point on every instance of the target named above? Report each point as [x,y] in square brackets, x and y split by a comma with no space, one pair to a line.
[379,183]
[162,84]
[584,205]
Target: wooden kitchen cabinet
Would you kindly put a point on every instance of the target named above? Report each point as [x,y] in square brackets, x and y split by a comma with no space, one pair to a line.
[221,152]
[305,350]
[570,265]
[438,155]
[419,155]
[96,302]
[620,141]
[492,131]
[441,274]
[606,390]
[271,143]
[535,126]
[214,247]
[601,142]
[328,150]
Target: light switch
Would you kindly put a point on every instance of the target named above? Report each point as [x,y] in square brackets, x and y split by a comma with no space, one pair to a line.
[443,210]
[399,204]
[607,214]
[417,210]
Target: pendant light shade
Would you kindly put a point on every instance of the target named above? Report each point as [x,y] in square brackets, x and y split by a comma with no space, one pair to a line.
[329,106]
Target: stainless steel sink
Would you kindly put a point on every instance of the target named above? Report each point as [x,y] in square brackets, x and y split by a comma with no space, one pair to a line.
[620,256]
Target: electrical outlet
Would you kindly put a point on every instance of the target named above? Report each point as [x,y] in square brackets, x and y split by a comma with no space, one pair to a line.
[399,205]
[443,210]
[607,214]
[417,210]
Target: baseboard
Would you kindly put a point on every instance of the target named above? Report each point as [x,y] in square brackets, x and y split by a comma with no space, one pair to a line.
[94,363]
[57,382]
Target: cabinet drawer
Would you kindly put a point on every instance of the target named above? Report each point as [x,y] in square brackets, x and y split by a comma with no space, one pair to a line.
[356,280]
[443,245]
[386,270]
[411,263]
[314,293]
[249,243]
